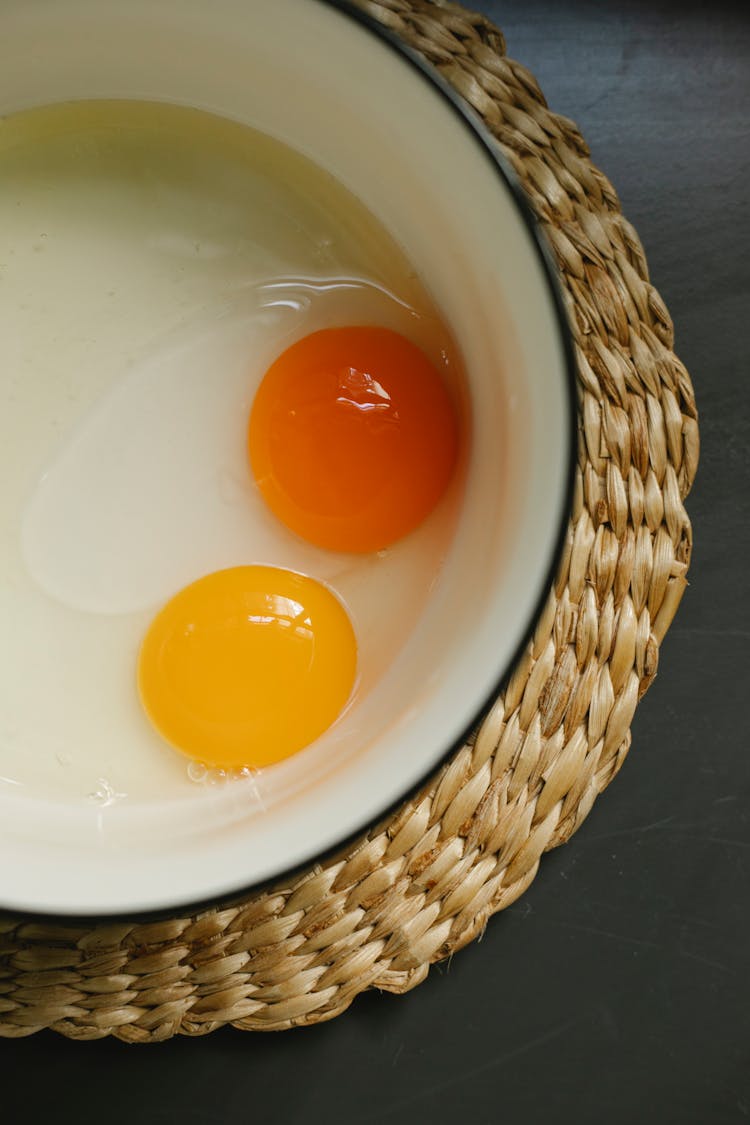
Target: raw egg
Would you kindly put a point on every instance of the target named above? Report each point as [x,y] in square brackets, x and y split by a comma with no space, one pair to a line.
[247,666]
[352,437]
[157,261]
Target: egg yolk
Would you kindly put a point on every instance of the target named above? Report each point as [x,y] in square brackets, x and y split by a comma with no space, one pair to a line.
[247,666]
[353,437]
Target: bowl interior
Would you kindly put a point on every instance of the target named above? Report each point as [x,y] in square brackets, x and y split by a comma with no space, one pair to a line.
[397,142]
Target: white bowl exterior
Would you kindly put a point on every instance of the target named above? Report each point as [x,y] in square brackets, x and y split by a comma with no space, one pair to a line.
[385,132]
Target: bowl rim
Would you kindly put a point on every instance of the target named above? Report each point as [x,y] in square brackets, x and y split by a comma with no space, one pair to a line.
[507,176]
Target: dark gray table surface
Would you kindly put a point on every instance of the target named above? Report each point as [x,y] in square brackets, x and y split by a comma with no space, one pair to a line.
[617,988]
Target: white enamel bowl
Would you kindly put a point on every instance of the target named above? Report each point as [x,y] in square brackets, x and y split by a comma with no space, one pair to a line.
[330,85]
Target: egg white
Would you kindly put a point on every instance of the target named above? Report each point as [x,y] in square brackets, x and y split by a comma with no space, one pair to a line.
[128,365]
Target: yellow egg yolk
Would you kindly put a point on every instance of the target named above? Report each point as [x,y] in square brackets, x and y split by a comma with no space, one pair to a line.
[247,666]
[353,437]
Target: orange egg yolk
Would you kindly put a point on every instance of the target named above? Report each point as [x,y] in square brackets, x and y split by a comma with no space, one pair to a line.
[247,666]
[352,438]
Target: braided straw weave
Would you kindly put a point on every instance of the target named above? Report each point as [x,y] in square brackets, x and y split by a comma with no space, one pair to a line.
[423,883]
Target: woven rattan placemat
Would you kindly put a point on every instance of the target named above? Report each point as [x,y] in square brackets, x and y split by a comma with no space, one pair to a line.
[423,882]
